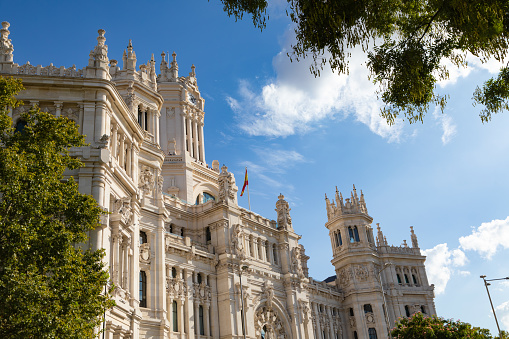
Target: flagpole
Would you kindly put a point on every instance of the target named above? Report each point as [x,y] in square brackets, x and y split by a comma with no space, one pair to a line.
[248,200]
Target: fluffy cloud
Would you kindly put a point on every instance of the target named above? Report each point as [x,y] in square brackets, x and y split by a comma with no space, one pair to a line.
[441,263]
[447,124]
[272,164]
[487,238]
[296,102]
[503,310]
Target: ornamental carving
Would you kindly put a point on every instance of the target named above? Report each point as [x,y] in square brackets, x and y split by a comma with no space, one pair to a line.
[227,188]
[122,206]
[201,292]
[176,288]
[146,180]
[361,272]
[296,263]
[145,253]
[268,321]
[236,241]
[344,276]
[284,221]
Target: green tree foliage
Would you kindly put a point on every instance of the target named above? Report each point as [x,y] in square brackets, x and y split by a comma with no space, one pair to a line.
[421,327]
[49,287]
[405,41]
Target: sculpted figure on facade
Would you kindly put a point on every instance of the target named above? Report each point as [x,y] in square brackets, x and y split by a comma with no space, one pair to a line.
[227,188]
[268,322]
[284,221]
[146,180]
[236,241]
[6,47]
[122,206]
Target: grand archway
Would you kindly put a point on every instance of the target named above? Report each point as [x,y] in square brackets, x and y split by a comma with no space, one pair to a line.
[268,324]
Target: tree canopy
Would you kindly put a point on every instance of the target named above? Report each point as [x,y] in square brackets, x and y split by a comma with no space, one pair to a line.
[406,43]
[49,286]
[420,327]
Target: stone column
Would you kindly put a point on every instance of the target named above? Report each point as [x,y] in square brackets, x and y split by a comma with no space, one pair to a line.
[195,139]
[318,333]
[113,143]
[157,115]
[184,134]
[202,143]
[206,315]
[115,257]
[129,159]
[331,323]
[180,317]
[188,135]
[121,151]
[196,319]
[58,106]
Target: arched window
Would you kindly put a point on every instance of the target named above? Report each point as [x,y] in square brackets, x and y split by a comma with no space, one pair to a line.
[423,310]
[143,237]
[267,251]
[355,336]
[339,238]
[406,279]
[20,125]
[140,116]
[274,253]
[414,279]
[407,311]
[399,278]
[350,234]
[143,289]
[336,238]
[356,233]
[351,312]
[182,232]
[207,197]
[198,277]
[175,316]
[368,308]
[372,333]
[208,235]
[173,272]
[200,316]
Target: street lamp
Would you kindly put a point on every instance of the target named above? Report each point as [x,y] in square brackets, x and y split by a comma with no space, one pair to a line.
[486,283]
[242,268]
[386,311]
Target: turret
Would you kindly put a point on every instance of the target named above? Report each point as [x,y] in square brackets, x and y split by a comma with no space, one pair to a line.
[98,63]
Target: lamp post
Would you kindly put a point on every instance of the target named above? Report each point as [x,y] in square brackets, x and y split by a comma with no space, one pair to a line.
[486,284]
[386,313]
[242,268]
[104,314]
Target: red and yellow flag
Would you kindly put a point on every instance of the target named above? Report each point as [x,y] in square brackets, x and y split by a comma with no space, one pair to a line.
[245,184]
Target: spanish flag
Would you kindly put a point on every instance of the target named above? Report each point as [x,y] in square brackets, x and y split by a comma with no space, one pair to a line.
[245,184]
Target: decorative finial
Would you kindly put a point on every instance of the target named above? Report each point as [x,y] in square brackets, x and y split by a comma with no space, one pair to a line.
[130,45]
[326,196]
[174,55]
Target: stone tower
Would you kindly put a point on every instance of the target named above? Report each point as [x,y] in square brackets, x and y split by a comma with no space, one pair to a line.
[374,276]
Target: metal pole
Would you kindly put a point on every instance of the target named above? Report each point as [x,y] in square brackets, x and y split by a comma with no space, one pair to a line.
[483,277]
[242,301]
[104,314]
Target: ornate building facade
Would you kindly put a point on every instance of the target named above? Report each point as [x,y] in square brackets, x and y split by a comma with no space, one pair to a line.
[186,261]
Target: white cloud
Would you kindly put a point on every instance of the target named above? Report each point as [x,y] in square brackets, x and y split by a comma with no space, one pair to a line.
[448,127]
[440,264]
[503,310]
[487,238]
[273,162]
[474,63]
[295,101]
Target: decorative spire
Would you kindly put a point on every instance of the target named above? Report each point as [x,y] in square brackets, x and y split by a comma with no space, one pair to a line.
[98,63]
[124,60]
[193,73]
[380,236]
[174,69]
[284,221]
[6,47]
[413,237]
[131,56]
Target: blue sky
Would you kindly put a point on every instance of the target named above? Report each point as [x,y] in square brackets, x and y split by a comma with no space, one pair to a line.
[302,136]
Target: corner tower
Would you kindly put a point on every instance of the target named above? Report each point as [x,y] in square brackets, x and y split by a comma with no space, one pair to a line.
[379,282]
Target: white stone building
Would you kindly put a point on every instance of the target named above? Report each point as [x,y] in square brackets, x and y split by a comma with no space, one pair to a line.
[184,258]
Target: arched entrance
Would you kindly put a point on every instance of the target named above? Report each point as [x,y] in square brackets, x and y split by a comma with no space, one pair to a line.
[268,324]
